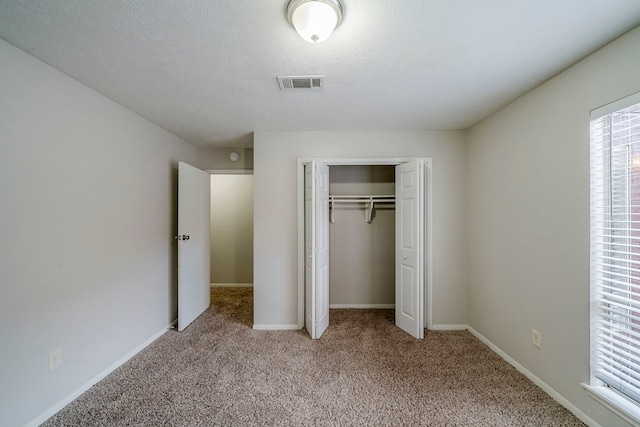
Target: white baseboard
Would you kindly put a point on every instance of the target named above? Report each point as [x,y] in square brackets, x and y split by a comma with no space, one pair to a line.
[537,381]
[86,386]
[362,306]
[284,327]
[449,327]
[231,285]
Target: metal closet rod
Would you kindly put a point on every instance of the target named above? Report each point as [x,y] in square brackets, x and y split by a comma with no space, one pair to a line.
[370,200]
[354,199]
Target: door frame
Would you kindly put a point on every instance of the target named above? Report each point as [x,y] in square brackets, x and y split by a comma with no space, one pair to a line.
[229,171]
[428,226]
[213,171]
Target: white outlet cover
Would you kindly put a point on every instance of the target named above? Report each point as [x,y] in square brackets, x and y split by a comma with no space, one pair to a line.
[55,359]
[536,338]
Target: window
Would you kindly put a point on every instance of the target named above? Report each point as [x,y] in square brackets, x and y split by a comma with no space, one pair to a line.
[615,247]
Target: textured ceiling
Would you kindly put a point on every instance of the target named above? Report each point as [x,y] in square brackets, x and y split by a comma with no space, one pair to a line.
[206,69]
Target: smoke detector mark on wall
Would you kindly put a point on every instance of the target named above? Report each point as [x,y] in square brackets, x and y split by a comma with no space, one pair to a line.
[300,82]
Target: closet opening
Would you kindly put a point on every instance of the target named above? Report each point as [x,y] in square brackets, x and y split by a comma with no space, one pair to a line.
[365,240]
[362,236]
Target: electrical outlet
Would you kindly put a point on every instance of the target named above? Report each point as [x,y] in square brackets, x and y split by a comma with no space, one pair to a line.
[536,338]
[55,359]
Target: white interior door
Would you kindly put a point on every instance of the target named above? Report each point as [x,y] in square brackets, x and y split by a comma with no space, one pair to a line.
[410,248]
[193,244]
[316,203]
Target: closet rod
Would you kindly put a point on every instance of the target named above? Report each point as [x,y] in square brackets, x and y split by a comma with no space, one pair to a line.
[362,199]
[360,196]
[369,200]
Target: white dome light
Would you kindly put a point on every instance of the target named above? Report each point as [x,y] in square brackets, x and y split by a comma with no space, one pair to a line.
[314,20]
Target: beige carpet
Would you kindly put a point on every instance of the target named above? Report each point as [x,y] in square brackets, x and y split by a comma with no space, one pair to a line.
[363,371]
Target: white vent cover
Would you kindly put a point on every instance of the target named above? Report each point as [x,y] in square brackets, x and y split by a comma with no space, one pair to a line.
[300,82]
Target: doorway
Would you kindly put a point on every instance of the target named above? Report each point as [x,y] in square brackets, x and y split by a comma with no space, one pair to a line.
[231,236]
[215,229]
[231,231]
[413,279]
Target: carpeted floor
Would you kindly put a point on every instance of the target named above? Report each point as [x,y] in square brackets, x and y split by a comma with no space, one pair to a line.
[363,371]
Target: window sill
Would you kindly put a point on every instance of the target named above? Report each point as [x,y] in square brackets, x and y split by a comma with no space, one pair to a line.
[620,405]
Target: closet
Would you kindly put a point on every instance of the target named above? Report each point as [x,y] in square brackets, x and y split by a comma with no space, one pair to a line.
[366,234]
[361,236]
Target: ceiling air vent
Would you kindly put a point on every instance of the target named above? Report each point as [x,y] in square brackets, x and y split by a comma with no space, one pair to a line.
[300,82]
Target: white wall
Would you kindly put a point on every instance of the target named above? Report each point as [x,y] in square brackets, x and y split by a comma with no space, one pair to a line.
[231,229]
[87,216]
[275,212]
[218,158]
[528,180]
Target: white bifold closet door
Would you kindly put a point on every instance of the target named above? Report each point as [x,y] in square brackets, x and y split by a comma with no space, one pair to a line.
[194,293]
[316,214]
[410,248]
[410,253]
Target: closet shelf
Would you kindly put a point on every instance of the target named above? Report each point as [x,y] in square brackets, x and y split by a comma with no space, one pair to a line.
[370,201]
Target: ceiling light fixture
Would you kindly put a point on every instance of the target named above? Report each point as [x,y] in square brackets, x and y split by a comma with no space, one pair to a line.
[314,20]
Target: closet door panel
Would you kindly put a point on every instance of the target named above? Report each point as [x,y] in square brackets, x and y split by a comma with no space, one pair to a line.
[309,235]
[409,248]
[316,248]
[322,247]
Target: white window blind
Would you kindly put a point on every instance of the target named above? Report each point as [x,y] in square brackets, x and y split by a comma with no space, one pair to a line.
[615,249]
